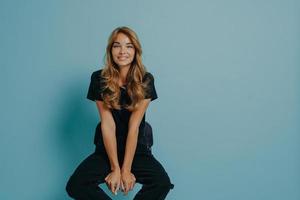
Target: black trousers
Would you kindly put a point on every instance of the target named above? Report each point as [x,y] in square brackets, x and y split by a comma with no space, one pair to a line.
[83,184]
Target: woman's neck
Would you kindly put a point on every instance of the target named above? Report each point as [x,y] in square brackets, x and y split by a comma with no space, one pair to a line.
[123,73]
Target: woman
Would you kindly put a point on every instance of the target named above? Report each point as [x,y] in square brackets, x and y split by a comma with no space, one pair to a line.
[122,91]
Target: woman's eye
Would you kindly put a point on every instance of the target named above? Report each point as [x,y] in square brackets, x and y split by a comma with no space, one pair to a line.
[118,46]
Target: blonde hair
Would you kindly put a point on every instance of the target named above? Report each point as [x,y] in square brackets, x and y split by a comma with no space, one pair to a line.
[111,73]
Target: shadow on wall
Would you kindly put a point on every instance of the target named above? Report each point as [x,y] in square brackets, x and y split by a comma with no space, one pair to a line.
[73,133]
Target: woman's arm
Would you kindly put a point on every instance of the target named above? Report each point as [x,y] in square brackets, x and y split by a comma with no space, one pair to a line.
[133,129]
[108,128]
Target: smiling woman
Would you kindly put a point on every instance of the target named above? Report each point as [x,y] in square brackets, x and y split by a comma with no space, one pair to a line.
[123,50]
[122,90]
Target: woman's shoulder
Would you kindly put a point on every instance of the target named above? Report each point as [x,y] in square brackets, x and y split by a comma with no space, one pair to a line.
[97,74]
[148,75]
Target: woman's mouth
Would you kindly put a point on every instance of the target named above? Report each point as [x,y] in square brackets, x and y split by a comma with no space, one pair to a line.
[122,58]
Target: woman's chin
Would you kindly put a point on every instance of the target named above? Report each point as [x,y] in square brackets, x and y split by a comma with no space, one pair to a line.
[123,64]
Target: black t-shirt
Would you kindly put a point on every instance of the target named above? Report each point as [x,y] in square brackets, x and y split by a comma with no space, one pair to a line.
[122,116]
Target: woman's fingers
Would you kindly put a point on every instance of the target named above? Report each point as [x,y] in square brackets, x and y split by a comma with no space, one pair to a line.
[132,185]
[127,187]
[133,182]
[109,183]
[106,181]
[113,188]
[118,187]
[106,177]
[128,184]
[122,186]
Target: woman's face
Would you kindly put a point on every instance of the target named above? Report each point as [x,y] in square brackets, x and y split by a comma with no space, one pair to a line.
[123,50]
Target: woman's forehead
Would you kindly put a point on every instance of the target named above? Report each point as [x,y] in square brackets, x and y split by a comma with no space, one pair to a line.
[122,38]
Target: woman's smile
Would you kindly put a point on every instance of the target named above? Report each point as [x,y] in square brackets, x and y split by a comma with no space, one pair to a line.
[123,50]
[122,57]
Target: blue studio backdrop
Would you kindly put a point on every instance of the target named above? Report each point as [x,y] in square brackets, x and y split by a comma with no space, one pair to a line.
[226,121]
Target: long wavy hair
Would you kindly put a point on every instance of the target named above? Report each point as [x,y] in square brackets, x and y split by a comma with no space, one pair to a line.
[111,74]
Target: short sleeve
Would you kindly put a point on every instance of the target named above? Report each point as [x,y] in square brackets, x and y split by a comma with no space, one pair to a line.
[150,91]
[95,87]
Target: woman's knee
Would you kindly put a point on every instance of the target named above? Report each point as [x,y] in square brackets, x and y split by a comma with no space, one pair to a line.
[72,186]
[164,181]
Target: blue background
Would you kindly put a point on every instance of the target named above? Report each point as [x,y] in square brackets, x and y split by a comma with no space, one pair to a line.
[226,121]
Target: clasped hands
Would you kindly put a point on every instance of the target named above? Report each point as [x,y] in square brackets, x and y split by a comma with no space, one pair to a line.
[117,178]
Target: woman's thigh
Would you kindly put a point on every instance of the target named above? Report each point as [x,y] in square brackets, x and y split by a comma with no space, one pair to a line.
[92,169]
[149,171]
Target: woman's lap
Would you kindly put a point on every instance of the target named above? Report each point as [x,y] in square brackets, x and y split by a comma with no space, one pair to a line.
[145,167]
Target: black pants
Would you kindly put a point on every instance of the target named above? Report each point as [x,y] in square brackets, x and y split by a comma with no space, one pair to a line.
[83,183]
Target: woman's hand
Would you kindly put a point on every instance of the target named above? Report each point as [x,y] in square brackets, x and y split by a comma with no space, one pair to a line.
[113,181]
[127,181]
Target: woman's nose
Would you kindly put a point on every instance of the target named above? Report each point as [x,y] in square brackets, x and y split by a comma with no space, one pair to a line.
[123,49]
